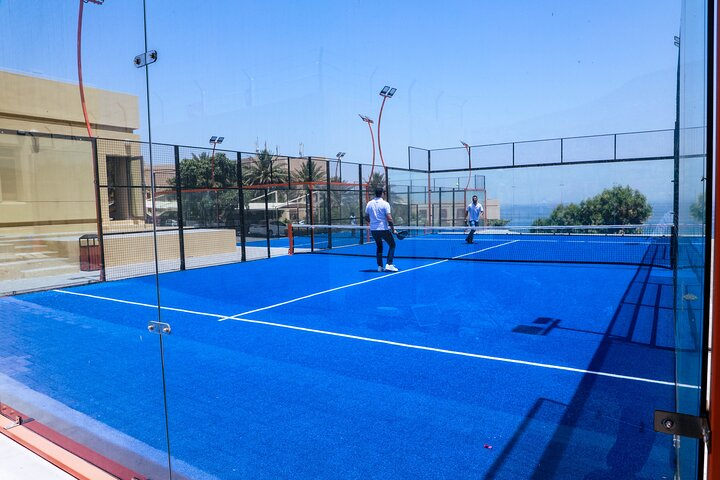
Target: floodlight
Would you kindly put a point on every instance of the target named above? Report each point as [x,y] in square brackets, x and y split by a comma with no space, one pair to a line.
[391,92]
[366,118]
[213,139]
[464,144]
[220,139]
[385,90]
[340,155]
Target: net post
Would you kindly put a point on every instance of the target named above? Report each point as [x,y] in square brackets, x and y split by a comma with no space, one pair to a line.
[267,222]
[440,207]
[453,207]
[291,245]
[409,210]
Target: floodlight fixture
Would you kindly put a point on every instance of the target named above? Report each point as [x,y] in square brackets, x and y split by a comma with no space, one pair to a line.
[366,119]
[464,144]
[676,41]
[96,2]
[214,141]
[386,92]
[339,155]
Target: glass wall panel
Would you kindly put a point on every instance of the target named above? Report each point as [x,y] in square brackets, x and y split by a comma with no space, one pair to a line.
[79,366]
[315,365]
[693,223]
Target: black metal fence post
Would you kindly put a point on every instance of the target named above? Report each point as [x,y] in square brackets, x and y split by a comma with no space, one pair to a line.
[241,207]
[180,219]
[98,209]
[328,201]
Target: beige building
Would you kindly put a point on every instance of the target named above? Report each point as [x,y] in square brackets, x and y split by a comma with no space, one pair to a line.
[47,187]
[46,182]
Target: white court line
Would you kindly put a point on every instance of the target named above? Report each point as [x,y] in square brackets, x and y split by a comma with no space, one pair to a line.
[361,282]
[396,344]
[149,305]
[465,354]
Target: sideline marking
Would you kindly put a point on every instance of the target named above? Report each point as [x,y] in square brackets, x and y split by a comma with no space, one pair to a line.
[182,310]
[465,354]
[396,344]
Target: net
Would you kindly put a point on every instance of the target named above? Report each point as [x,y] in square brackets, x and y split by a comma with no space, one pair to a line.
[643,245]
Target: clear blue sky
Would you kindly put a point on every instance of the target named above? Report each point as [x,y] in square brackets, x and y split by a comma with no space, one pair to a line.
[298,72]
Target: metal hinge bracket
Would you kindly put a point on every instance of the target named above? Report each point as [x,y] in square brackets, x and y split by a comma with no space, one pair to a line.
[145,58]
[674,423]
[160,328]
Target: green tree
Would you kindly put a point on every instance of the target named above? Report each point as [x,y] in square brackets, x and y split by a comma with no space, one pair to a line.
[697,209]
[209,197]
[376,180]
[309,171]
[613,206]
[265,169]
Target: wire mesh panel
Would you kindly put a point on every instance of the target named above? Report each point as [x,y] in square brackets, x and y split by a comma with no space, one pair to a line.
[135,209]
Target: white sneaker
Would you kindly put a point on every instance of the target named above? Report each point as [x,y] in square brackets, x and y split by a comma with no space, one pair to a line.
[390,268]
[380,269]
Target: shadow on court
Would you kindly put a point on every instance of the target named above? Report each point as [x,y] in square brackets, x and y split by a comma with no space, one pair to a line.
[606,430]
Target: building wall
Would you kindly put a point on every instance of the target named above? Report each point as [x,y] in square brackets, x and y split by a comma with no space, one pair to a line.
[49,181]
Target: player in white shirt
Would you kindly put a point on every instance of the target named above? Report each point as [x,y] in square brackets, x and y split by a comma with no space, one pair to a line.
[377,213]
[473,211]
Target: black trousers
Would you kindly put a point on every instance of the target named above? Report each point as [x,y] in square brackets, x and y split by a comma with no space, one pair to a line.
[379,236]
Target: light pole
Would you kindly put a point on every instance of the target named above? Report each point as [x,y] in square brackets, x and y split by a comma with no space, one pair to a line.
[386,92]
[214,141]
[339,156]
[369,122]
[467,148]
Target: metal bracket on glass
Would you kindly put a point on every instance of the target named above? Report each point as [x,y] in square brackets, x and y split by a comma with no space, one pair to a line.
[674,423]
[145,58]
[160,328]
[18,422]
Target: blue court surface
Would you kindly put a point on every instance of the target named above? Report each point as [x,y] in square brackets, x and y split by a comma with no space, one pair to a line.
[318,366]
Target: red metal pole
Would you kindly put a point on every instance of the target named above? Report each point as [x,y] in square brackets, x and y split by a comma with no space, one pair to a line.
[378,128]
[93,146]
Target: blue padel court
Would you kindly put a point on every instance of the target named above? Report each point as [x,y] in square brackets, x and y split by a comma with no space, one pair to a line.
[319,366]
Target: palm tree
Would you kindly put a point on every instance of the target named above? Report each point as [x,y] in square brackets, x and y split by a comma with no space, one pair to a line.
[265,169]
[376,180]
[309,171]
